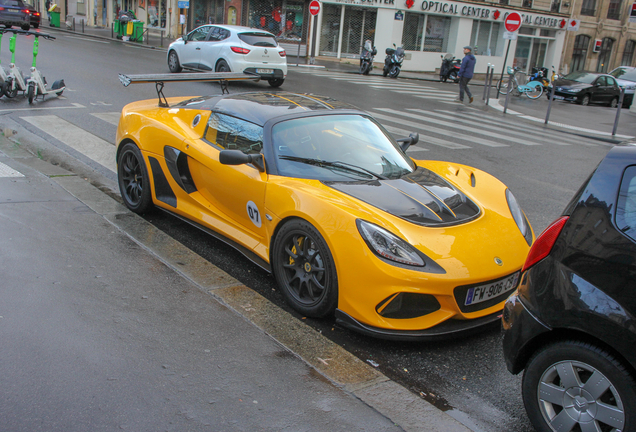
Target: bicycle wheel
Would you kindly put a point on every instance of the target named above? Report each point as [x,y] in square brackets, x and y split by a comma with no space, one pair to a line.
[535,91]
[502,86]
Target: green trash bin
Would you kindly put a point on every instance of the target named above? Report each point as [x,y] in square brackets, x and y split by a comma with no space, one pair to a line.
[116,27]
[138,31]
[55,19]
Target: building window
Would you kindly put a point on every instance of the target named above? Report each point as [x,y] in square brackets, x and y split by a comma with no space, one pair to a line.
[434,39]
[581,44]
[628,54]
[614,9]
[588,7]
[486,38]
[504,2]
[556,6]
[605,55]
[527,4]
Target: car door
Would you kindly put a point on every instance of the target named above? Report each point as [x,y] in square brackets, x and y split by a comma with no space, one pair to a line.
[600,92]
[613,89]
[234,193]
[211,49]
[190,52]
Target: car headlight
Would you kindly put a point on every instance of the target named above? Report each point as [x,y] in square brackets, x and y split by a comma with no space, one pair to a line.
[516,212]
[388,245]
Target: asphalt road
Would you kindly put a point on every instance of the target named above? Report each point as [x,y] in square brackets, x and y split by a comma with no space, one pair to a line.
[466,374]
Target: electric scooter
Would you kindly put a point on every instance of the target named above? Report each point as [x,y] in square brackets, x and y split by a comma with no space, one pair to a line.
[15,80]
[36,84]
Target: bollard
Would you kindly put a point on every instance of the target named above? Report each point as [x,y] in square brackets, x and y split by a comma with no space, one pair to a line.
[161,40]
[551,98]
[112,30]
[486,82]
[492,73]
[298,53]
[508,94]
[618,110]
[82,25]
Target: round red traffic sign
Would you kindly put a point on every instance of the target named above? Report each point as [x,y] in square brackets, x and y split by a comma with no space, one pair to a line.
[314,7]
[513,22]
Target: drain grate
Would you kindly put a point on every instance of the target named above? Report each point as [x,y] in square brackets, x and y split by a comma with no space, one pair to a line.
[6,171]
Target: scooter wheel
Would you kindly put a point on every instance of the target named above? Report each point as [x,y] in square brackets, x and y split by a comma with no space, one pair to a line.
[11,93]
[31,92]
[394,72]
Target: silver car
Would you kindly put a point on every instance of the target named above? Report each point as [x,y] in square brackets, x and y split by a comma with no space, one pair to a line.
[229,48]
[626,78]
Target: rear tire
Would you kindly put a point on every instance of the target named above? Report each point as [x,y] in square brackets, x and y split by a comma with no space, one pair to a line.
[535,93]
[173,62]
[572,383]
[9,91]
[364,68]
[276,82]
[614,102]
[31,92]
[222,66]
[394,72]
[586,100]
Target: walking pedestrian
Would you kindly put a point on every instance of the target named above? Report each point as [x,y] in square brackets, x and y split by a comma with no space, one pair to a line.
[466,74]
[47,5]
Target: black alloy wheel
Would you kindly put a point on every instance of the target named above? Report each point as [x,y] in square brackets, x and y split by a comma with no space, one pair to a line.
[173,62]
[305,270]
[576,386]
[614,102]
[276,82]
[134,184]
[586,100]
[222,66]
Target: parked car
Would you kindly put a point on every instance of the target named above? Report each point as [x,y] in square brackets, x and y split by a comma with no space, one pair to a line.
[626,78]
[34,14]
[571,323]
[228,48]
[587,87]
[14,13]
[317,192]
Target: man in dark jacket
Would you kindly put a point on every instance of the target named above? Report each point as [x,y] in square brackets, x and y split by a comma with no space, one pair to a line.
[466,74]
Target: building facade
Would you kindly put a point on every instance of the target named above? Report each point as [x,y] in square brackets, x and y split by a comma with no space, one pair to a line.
[606,38]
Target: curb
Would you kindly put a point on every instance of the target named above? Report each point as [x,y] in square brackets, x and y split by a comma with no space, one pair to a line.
[343,369]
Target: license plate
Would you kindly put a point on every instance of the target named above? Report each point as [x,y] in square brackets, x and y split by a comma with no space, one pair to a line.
[265,71]
[559,97]
[13,10]
[487,291]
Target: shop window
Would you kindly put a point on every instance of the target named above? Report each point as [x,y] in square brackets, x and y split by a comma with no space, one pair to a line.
[425,33]
[555,6]
[486,38]
[526,31]
[581,44]
[605,55]
[156,13]
[284,19]
[330,29]
[504,2]
[614,9]
[628,54]
[547,33]
[588,7]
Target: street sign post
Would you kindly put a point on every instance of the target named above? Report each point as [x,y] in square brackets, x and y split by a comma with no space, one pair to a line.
[314,9]
[512,22]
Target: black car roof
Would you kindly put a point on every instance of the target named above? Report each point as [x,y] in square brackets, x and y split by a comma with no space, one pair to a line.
[259,107]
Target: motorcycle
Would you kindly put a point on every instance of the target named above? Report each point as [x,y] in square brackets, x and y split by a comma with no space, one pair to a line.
[450,68]
[366,57]
[393,61]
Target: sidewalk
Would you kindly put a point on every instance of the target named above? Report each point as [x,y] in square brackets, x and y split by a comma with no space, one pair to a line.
[106,323]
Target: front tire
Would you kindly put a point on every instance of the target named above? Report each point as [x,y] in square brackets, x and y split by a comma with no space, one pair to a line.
[574,384]
[276,82]
[364,68]
[173,62]
[31,92]
[586,100]
[502,86]
[26,27]
[134,183]
[305,270]
[394,72]
[614,102]
[385,71]
[10,91]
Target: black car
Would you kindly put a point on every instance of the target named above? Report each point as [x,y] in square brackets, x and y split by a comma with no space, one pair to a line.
[571,323]
[14,13]
[36,17]
[588,87]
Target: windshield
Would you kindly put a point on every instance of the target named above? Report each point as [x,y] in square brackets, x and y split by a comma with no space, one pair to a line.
[353,141]
[582,77]
[624,74]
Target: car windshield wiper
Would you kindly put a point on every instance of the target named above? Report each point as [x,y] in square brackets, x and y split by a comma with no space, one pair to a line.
[335,164]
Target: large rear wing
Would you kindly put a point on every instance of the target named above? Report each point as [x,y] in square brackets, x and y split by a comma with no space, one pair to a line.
[160,79]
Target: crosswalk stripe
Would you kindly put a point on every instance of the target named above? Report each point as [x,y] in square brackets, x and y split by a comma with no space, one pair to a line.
[7,171]
[442,132]
[109,117]
[498,128]
[548,135]
[454,125]
[402,133]
[426,92]
[89,145]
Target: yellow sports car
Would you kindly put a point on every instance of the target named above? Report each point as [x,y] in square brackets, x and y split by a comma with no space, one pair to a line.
[319,193]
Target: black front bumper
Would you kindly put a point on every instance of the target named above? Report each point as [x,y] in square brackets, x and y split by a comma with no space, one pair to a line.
[520,329]
[444,330]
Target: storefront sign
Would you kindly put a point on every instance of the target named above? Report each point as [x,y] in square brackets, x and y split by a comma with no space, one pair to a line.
[573,25]
[183,4]
[510,35]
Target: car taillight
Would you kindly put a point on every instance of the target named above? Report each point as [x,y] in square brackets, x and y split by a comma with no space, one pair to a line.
[1,8]
[26,11]
[239,50]
[543,245]
[282,53]
[36,13]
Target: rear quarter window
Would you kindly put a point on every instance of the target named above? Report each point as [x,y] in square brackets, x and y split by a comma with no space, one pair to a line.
[258,39]
[626,206]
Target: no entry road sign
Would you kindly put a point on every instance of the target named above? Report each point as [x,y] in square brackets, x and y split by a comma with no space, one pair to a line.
[513,22]
[314,7]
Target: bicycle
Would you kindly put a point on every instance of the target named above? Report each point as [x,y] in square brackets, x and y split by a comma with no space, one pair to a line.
[533,89]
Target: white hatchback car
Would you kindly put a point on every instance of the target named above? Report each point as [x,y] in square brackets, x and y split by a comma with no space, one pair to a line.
[229,48]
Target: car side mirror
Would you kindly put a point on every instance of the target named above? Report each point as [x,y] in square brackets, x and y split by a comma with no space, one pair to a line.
[405,143]
[598,84]
[237,157]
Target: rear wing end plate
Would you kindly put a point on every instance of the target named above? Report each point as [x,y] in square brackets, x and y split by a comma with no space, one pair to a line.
[159,79]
